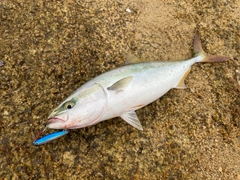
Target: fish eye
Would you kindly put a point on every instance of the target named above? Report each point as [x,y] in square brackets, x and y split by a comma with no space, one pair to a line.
[69,105]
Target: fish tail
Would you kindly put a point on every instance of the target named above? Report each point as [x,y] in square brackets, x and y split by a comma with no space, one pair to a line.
[204,57]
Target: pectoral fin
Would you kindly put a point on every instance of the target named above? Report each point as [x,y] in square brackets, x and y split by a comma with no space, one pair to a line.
[131,118]
[121,84]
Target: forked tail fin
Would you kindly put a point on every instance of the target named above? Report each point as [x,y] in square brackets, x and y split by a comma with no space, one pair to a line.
[198,51]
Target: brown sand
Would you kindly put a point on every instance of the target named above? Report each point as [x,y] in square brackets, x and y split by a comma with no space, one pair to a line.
[49,48]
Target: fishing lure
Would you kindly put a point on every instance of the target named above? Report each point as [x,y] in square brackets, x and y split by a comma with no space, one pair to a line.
[50,137]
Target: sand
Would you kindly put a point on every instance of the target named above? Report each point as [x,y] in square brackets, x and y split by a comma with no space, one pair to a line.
[50,48]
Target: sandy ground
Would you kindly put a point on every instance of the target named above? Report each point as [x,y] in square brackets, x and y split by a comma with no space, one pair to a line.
[49,48]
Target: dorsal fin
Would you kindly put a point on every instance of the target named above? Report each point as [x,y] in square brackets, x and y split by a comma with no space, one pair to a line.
[131,59]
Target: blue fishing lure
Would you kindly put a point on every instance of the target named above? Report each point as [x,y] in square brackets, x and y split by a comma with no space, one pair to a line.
[50,137]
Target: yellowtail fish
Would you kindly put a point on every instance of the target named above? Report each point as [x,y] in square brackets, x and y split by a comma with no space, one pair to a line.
[121,91]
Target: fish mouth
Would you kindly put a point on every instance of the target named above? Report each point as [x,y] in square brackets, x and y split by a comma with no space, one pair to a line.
[55,120]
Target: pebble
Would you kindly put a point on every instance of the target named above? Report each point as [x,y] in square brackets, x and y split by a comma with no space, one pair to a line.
[5,113]
[128,10]
[2,63]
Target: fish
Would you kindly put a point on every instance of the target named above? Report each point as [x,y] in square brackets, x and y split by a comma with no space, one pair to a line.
[122,91]
[50,137]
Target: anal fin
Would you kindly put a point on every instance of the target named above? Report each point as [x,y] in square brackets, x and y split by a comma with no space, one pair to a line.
[131,118]
[181,83]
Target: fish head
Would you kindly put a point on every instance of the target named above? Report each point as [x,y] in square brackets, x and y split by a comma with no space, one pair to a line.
[63,115]
[79,110]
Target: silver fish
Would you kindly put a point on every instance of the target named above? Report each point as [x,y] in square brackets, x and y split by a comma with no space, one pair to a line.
[121,91]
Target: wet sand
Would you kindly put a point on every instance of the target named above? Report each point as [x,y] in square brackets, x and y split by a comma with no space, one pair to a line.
[50,48]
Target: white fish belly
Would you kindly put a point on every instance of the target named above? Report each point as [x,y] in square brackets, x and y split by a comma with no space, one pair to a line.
[147,85]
